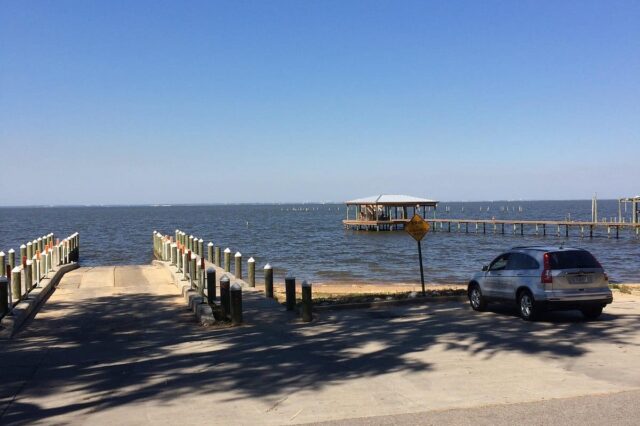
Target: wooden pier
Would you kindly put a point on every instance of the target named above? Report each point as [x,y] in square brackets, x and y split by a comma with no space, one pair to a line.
[484,226]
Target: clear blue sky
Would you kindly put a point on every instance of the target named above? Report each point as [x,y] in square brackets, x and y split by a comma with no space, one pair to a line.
[239,101]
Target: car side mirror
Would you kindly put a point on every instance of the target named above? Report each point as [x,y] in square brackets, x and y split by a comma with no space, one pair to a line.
[485,268]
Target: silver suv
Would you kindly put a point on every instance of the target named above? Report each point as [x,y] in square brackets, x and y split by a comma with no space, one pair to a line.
[543,278]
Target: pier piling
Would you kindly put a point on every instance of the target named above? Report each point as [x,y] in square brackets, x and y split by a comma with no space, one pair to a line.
[290,292]
[224,295]
[268,281]
[251,266]
[307,304]
[227,259]
[4,295]
[16,285]
[235,301]
[211,285]
[237,270]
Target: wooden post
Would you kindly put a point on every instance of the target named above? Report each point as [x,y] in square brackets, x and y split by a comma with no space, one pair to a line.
[251,266]
[4,295]
[235,302]
[29,250]
[307,304]
[16,285]
[3,265]
[290,292]
[216,257]
[211,285]
[193,270]
[185,264]
[210,252]
[174,254]
[225,283]
[238,265]
[227,259]
[28,276]
[268,281]
[200,247]
[201,279]
[23,254]
[35,269]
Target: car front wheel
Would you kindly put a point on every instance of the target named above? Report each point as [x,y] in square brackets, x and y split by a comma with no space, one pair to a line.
[476,299]
[526,303]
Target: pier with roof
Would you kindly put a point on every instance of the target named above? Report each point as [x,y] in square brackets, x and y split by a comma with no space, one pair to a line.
[385,212]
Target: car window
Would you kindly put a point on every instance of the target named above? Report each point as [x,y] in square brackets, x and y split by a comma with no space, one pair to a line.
[521,261]
[573,259]
[499,263]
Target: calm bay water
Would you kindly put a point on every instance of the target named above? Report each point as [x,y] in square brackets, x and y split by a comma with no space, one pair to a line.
[309,240]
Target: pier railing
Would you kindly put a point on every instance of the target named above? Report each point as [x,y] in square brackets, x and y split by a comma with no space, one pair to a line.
[36,261]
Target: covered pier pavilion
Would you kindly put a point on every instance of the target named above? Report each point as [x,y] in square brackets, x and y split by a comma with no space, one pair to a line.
[385,212]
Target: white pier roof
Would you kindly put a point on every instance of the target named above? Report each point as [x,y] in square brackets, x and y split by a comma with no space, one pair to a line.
[396,200]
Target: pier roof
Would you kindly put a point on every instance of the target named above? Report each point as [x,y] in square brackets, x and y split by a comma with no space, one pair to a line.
[393,200]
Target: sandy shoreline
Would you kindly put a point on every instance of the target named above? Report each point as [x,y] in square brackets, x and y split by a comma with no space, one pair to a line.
[358,287]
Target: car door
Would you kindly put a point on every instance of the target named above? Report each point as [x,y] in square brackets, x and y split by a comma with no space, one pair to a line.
[520,271]
[495,276]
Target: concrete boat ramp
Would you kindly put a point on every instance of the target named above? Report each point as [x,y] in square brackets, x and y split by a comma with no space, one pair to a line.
[116,345]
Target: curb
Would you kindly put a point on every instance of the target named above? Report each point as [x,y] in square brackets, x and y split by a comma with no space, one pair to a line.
[385,303]
[10,324]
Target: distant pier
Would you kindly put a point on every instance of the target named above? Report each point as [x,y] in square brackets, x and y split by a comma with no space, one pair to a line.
[495,226]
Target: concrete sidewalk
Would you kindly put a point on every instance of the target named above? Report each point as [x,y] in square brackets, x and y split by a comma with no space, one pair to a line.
[117,346]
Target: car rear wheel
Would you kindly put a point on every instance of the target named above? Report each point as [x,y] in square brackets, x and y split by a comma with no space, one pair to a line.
[527,306]
[591,312]
[476,299]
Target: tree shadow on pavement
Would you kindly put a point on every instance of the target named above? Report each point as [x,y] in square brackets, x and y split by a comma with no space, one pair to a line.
[111,351]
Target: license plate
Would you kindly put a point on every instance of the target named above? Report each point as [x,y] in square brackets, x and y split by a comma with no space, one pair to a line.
[580,279]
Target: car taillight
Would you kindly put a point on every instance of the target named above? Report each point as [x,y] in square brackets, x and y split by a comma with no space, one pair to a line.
[546,277]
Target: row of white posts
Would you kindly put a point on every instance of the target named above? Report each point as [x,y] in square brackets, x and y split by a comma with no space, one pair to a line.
[38,259]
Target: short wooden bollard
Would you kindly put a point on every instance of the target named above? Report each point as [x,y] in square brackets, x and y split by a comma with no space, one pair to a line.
[23,253]
[179,258]
[237,270]
[190,244]
[200,247]
[235,299]
[268,281]
[216,256]
[307,304]
[227,259]
[210,252]
[15,285]
[290,292]
[251,263]
[211,285]
[4,295]
[225,283]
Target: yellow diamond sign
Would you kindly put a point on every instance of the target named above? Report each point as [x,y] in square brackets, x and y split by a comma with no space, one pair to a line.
[417,227]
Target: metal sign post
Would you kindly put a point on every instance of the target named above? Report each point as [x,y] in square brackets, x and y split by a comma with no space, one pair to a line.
[418,228]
